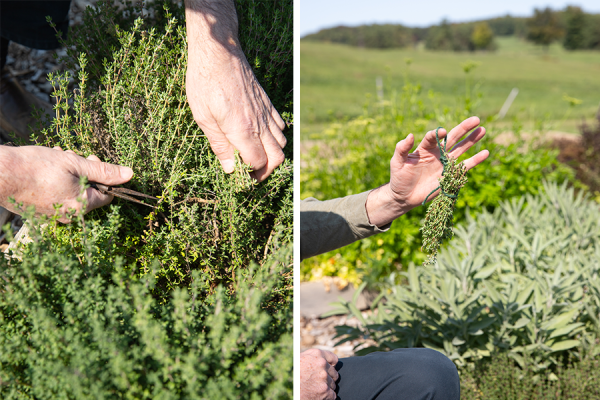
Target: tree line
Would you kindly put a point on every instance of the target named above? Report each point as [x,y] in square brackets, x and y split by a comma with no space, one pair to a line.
[573,27]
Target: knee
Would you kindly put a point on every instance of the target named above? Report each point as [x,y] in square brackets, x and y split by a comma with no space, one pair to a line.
[434,375]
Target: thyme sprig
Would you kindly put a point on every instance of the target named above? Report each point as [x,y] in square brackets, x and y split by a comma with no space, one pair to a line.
[438,220]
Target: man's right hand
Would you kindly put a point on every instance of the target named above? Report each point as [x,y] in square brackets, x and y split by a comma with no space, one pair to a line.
[318,375]
[42,177]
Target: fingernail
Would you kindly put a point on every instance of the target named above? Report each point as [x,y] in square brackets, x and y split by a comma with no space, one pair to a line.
[228,165]
[126,172]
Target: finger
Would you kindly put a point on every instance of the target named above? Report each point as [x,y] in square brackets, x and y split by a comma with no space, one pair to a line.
[57,148]
[429,142]
[461,130]
[330,383]
[476,159]
[330,395]
[270,110]
[222,148]
[278,120]
[403,148]
[70,151]
[274,155]
[93,157]
[96,199]
[332,372]
[101,172]
[330,357]
[276,132]
[466,144]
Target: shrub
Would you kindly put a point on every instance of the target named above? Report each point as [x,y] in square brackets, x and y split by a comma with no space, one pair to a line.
[460,37]
[582,154]
[524,279]
[137,115]
[501,379]
[88,328]
[353,156]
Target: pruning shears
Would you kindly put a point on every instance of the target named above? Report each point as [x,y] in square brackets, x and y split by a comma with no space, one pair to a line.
[122,192]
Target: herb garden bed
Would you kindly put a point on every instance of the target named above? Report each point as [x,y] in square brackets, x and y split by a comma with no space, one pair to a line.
[190,300]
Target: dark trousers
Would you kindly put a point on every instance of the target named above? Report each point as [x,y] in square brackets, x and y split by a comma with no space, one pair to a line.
[411,374]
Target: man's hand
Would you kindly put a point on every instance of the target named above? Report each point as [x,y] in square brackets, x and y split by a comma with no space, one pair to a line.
[43,177]
[227,101]
[415,175]
[318,375]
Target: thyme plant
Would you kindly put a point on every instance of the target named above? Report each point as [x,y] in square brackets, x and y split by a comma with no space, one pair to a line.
[133,111]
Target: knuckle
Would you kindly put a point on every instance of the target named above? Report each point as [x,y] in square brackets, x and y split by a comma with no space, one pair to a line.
[322,387]
[106,170]
[321,363]
[312,352]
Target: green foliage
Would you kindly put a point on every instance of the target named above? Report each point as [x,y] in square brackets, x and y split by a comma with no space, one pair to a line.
[371,36]
[482,36]
[501,379]
[574,33]
[593,32]
[190,300]
[353,156]
[460,37]
[138,116]
[507,26]
[544,27]
[78,324]
[524,280]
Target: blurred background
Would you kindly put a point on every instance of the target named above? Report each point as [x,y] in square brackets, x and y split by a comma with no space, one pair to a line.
[514,297]
[529,45]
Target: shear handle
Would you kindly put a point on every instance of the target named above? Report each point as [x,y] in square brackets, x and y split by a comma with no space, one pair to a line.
[121,192]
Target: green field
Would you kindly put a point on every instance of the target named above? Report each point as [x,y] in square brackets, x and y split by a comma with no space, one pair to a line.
[334,80]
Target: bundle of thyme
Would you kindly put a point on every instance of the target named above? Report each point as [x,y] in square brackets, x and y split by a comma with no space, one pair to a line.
[438,220]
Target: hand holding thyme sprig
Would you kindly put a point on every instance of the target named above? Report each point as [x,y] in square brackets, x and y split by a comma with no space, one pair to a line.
[414,175]
[438,221]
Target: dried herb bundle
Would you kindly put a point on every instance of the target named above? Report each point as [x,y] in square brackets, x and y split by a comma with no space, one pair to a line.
[438,221]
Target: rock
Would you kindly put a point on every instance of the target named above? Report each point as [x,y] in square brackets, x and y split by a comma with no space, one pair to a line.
[308,340]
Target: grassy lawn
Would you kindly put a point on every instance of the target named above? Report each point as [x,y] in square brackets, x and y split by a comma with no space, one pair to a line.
[334,80]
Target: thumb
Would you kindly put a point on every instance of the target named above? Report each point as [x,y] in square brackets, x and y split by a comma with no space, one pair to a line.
[101,172]
[402,149]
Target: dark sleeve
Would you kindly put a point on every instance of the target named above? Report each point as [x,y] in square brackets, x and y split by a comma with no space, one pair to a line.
[329,225]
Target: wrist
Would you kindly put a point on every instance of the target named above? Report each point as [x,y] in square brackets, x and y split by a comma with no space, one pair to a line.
[212,30]
[383,206]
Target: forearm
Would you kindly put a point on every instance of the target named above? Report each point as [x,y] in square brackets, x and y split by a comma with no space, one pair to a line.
[329,225]
[212,30]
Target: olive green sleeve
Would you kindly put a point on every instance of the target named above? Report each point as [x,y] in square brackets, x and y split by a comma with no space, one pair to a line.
[329,225]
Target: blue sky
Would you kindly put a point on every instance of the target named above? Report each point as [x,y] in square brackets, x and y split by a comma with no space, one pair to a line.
[318,14]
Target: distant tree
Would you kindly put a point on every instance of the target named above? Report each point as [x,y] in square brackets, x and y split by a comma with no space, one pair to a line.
[575,37]
[482,36]
[371,36]
[592,32]
[544,27]
[440,37]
